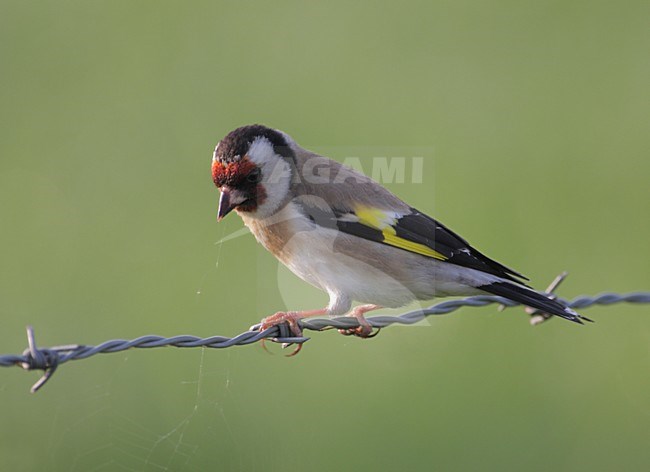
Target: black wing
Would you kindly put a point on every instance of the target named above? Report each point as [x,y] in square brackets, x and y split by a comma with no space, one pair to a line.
[412,231]
[426,230]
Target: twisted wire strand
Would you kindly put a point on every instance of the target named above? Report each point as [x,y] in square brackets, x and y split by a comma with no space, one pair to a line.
[48,359]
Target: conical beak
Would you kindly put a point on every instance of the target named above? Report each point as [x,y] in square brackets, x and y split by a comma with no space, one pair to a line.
[225,205]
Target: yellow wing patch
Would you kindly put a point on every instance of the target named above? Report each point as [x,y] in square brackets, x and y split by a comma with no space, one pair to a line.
[386,221]
[375,217]
[410,246]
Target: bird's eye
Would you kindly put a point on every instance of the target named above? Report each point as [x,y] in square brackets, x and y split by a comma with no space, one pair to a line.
[254,177]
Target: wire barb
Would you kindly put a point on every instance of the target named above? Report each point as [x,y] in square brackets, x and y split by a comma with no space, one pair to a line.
[49,359]
[538,316]
[41,359]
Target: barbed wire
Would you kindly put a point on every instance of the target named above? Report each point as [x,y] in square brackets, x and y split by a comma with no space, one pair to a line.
[49,359]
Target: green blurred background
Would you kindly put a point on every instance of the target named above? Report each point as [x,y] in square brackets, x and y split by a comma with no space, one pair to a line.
[535,116]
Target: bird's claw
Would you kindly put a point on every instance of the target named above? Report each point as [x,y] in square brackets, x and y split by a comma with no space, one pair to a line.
[363,331]
[295,351]
[284,346]
[291,319]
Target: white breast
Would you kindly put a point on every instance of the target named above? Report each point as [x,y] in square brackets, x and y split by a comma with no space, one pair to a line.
[309,251]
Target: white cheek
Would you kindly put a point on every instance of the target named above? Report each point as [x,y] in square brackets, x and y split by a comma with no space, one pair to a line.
[276,180]
[276,176]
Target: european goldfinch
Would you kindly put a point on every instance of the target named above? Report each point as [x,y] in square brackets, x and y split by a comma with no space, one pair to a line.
[347,235]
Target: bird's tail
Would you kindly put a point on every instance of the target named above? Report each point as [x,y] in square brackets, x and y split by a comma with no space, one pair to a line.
[533,299]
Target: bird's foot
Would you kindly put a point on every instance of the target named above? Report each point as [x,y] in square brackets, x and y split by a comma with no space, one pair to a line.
[291,318]
[364,330]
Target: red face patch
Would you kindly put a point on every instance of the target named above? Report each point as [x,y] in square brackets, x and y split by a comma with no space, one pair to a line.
[235,175]
[231,173]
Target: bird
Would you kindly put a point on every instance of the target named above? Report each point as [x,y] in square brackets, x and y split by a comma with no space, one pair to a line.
[344,233]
